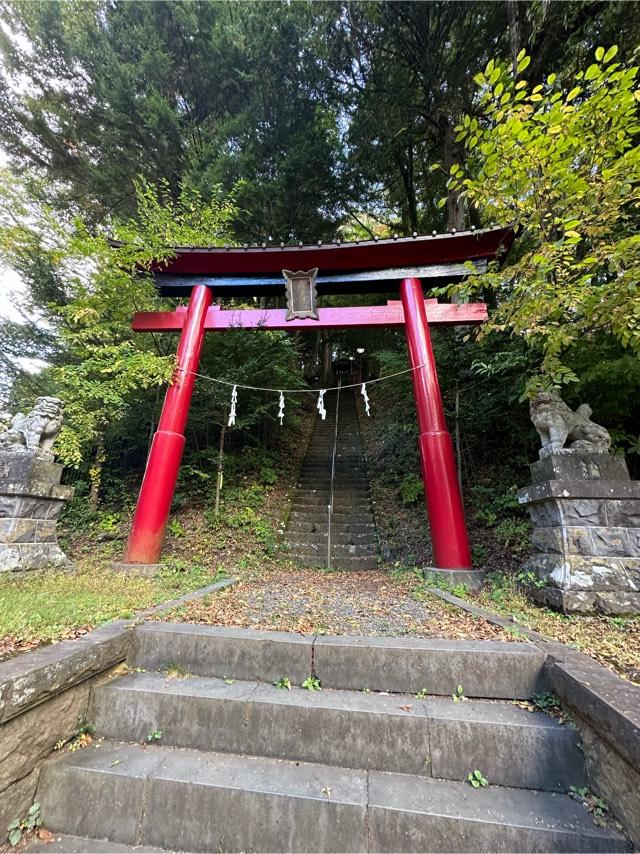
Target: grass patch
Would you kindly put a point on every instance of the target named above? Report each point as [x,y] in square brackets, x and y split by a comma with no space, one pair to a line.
[613,641]
[48,606]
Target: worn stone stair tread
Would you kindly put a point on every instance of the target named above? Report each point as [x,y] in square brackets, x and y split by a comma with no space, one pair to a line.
[64,844]
[386,732]
[404,664]
[161,796]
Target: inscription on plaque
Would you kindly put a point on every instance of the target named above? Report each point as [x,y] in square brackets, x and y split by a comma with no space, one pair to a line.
[301,294]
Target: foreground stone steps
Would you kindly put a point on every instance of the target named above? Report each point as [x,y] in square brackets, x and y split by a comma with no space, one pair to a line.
[187,800]
[218,759]
[350,729]
[404,665]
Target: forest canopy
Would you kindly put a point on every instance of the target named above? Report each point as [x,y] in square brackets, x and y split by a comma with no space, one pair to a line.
[233,122]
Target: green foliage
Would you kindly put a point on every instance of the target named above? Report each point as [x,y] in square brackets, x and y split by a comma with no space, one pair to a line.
[476,779]
[154,735]
[559,160]
[594,804]
[173,670]
[20,827]
[109,522]
[84,726]
[411,489]
[514,534]
[47,605]
[284,683]
[311,684]
[458,694]
[546,702]
[491,504]
[176,528]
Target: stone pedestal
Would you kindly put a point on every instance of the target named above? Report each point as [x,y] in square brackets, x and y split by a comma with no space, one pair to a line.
[586,513]
[31,500]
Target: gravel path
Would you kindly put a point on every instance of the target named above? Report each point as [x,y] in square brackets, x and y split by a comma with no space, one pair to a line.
[352,603]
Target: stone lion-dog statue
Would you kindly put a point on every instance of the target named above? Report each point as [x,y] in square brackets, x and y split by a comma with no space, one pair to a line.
[557,424]
[36,431]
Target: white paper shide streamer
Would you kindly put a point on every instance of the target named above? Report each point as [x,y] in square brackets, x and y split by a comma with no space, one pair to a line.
[365,398]
[320,404]
[281,410]
[232,412]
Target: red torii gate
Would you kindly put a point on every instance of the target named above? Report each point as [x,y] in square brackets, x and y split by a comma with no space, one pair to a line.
[363,266]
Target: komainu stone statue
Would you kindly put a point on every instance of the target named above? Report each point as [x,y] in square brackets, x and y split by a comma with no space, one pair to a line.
[31,497]
[557,424]
[36,431]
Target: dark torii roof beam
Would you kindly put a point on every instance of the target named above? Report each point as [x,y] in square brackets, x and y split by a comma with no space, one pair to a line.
[371,266]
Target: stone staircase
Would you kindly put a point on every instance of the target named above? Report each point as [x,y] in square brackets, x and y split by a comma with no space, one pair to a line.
[197,750]
[353,536]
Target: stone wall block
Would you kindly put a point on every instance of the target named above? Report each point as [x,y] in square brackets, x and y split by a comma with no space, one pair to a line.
[579,540]
[624,513]
[545,514]
[46,531]
[9,558]
[618,602]
[54,509]
[586,513]
[569,601]
[597,466]
[14,530]
[583,511]
[16,799]
[26,740]
[548,539]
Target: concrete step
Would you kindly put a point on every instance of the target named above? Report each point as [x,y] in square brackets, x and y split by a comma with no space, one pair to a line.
[337,536]
[341,473]
[374,732]
[340,504]
[309,548]
[344,483]
[343,491]
[357,517]
[185,800]
[64,844]
[294,527]
[340,562]
[406,665]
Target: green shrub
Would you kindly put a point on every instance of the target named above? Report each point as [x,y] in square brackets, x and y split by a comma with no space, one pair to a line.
[411,489]
[513,534]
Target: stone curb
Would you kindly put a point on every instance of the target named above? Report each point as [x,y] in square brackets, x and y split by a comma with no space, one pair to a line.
[606,701]
[32,678]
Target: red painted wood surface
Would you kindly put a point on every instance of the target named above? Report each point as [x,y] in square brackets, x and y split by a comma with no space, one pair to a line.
[442,492]
[392,314]
[161,474]
[366,255]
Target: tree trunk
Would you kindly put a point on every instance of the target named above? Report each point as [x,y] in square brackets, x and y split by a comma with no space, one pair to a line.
[515,32]
[223,431]
[327,373]
[95,473]
[452,154]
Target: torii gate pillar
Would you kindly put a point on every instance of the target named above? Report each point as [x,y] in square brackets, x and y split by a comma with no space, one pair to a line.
[445,510]
[161,474]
